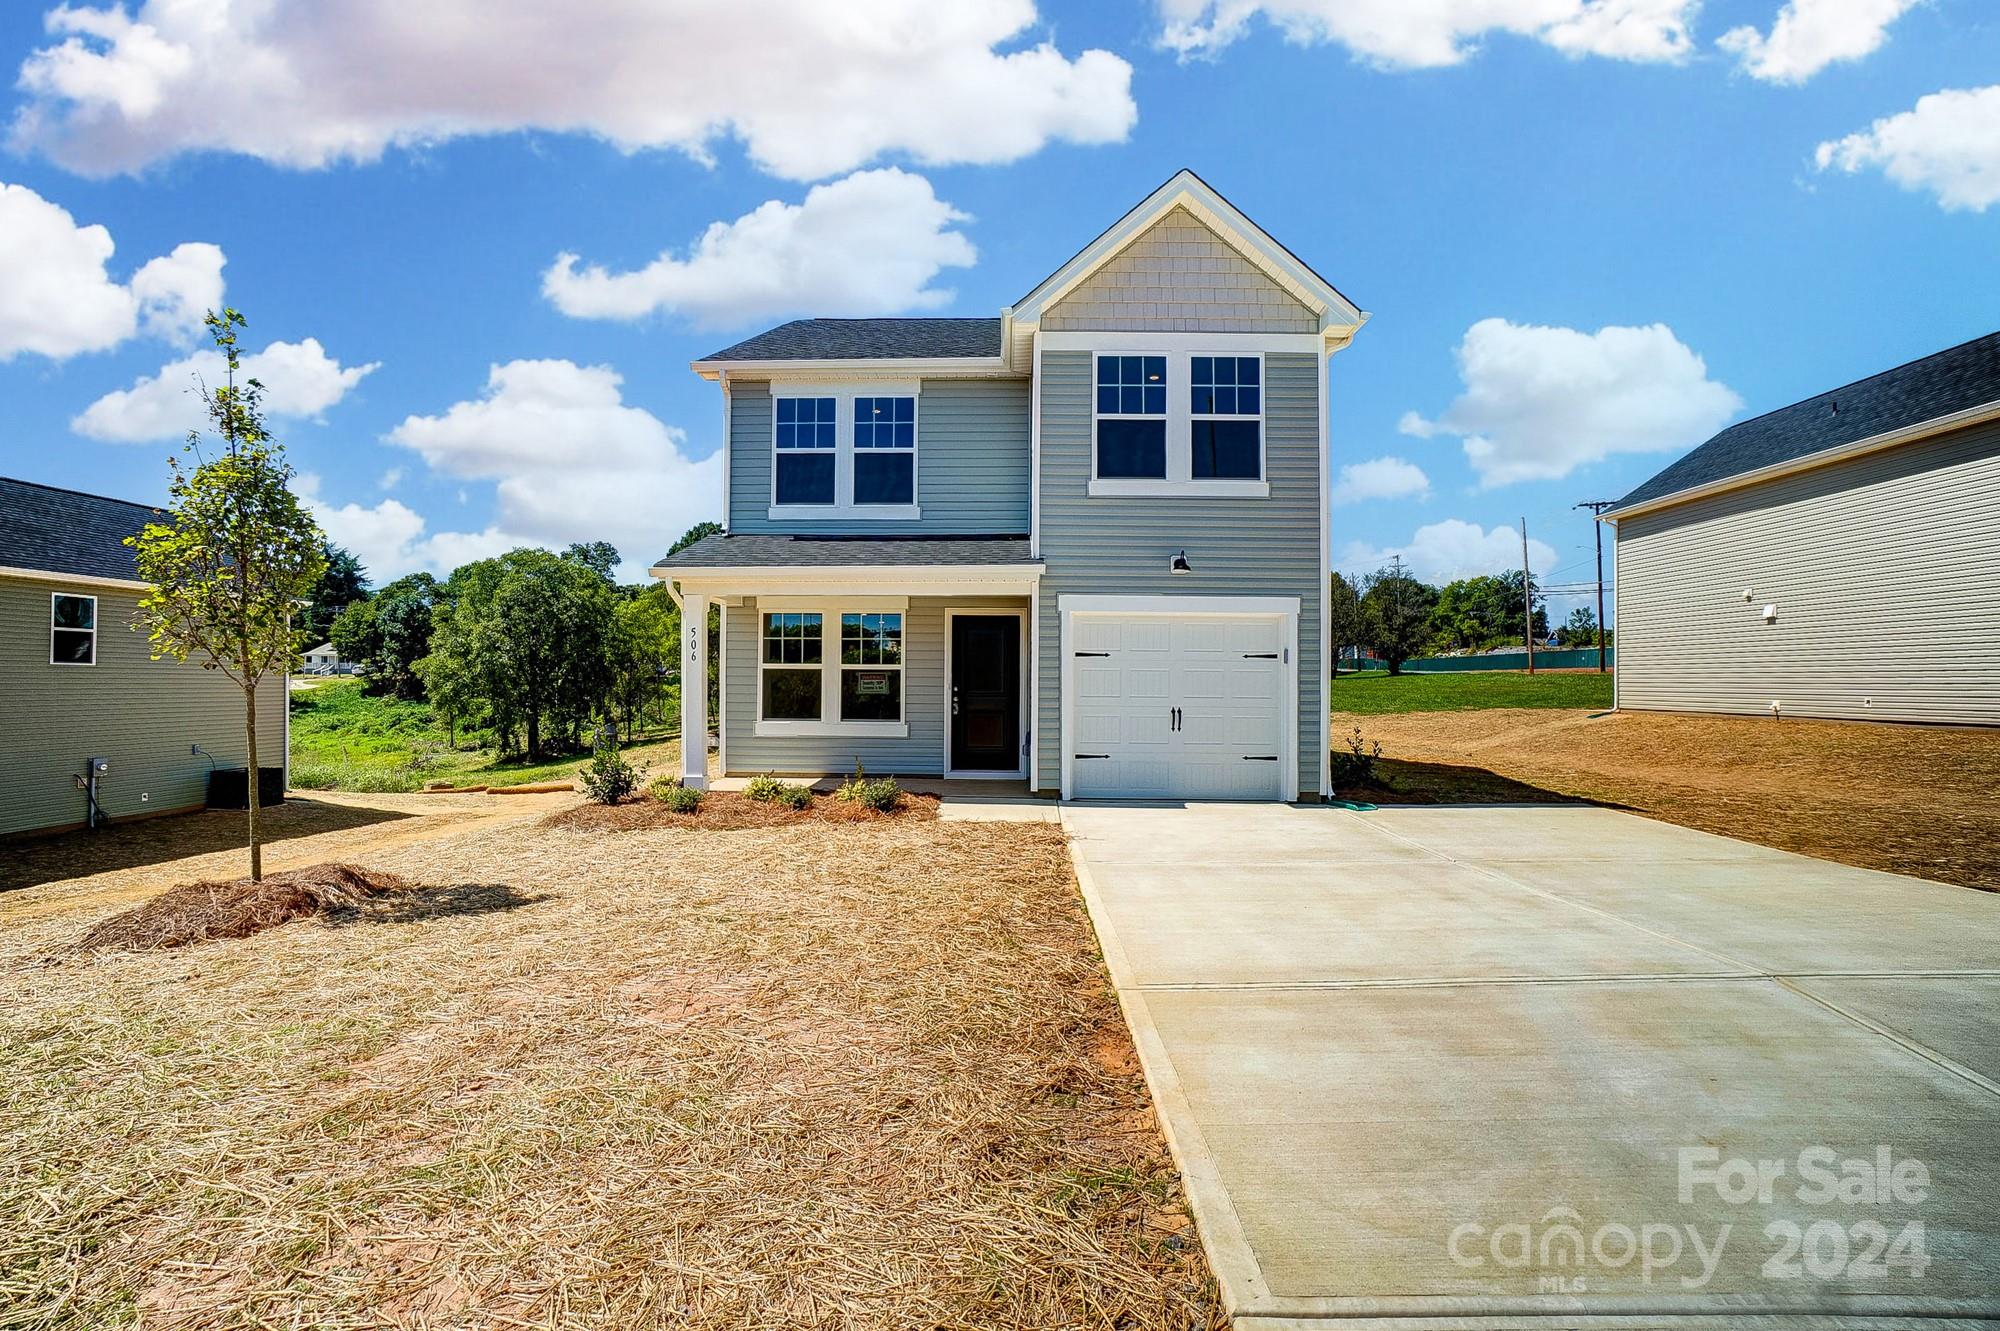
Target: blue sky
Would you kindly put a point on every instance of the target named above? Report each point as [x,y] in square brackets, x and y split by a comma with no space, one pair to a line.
[1494,195]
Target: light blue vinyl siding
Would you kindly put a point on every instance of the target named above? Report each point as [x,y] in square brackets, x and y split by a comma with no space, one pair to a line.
[1238,547]
[920,753]
[972,462]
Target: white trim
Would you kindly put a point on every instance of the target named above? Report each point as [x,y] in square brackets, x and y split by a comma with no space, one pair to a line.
[1123,488]
[721,688]
[831,668]
[1166,415]
[92,630]
[748,577]
[694,681]
[73,579]
[1213,484]
[1221,344]
[1178,421]
[1035,686]
[1020,613]
[845,393]
[963,367]
[1326,663]
[831,729]
[1826,457]
[819,605]
[1285,608]
[726,459]
[1035,451]
[1618,667]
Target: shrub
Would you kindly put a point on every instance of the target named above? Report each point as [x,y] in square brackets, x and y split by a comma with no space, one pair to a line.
[764,789]
[795,796]
[680,799]
[879,793]
[1356,767]
[609,778]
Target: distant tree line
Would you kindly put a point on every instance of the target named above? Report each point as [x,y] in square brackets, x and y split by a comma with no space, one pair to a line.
[526,651]
[1393,616]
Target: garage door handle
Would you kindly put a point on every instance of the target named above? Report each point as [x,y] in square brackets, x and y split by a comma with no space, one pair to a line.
[1260,757]
[1260,656]
[1092,755]
[1090,653]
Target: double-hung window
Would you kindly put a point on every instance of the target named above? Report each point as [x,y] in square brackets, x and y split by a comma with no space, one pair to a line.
[1226,418]
[885,450]
[844,452]
[1132,417]
[831,671]
[806,440]
[72,629]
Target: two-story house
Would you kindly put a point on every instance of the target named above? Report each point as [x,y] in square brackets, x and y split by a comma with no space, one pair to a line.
[1082,544]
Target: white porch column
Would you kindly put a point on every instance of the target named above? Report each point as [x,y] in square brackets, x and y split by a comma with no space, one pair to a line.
[694,691]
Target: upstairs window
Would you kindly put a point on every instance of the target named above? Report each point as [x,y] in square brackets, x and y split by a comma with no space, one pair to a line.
[885,450]
[72,629]
[806,448]
[1226,418]
[792,667]
[1131,417]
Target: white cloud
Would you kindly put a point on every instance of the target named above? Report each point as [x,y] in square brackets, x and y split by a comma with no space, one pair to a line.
[812,89]
[300,381]
[569,459]
[390,479]
[1381,478]
[1442,552]
[1809,35]
[1949,144]
[868,244]
[58,300]
[1540,402]
[1426,34]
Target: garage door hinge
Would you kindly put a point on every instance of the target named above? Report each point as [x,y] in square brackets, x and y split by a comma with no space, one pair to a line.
[1092,755]
[1260,757]
[1090,653]
[1260,656]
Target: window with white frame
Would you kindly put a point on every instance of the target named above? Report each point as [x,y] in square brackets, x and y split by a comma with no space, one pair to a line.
[806,446]
[1131,417]
[831,667]
[871,667]
[885,450]
[72,629]
[1226,418]
[792,669]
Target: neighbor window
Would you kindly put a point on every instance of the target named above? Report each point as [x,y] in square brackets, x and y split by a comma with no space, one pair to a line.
[871,667]
[72,629]
[885,450]
[1226,418]
[793,657]
[806,448]
[1132,417]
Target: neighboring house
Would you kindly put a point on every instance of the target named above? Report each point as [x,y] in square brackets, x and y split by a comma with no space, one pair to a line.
[1081,544]
[1839,557]
[323,660]
[77,682]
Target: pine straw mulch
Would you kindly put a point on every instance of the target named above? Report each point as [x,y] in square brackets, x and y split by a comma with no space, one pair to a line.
[197,912]
[723,810]
[821,1076]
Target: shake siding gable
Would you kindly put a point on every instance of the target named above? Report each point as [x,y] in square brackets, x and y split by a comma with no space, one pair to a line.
[1238,547]
[139,713]
[972,462]
[1885,572]
[1179,276]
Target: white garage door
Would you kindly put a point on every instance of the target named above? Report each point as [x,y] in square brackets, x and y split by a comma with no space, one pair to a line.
[1178,706]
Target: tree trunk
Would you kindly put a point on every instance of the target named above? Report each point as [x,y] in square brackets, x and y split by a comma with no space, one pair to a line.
[534,736]
[250,734]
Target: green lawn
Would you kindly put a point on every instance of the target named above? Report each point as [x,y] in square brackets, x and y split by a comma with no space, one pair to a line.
[1377,693]
[345,739]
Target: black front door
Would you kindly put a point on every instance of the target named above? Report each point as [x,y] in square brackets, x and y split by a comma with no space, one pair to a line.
[985,693]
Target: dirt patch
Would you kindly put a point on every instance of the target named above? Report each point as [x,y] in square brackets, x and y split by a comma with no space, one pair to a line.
[1908,799]
[727,810]
[196,912]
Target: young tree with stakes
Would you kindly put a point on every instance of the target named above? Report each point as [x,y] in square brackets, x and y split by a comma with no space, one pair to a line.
[238,553]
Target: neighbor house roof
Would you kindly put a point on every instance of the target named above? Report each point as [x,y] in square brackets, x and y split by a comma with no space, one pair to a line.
[868,339]
[1960,379]
[46,530]
[756,550]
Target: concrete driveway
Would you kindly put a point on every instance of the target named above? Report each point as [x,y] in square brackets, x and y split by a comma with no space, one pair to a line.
[1481,1067]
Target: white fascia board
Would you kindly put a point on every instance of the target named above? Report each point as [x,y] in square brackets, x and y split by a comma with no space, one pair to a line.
[73,579]
[1826,457]
[1092,604]
[818,370]
[852,582]
[1098,340]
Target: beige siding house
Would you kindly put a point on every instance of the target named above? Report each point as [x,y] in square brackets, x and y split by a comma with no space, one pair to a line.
[77,683]
[1837,558]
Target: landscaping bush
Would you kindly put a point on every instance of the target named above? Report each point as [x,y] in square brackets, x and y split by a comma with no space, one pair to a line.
[795,796]
[677,797]
[1356,767]
[609,778]
[881,793]
[770,790]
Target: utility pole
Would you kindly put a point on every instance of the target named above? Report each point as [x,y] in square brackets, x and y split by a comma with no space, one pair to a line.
[1597,506]
[1527,598]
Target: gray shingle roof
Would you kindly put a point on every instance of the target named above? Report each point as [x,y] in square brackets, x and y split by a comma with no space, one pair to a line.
[1955,380]
[767,551]
[64,531]
[868,339]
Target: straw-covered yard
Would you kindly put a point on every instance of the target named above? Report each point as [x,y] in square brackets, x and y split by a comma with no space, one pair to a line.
[859,1075]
